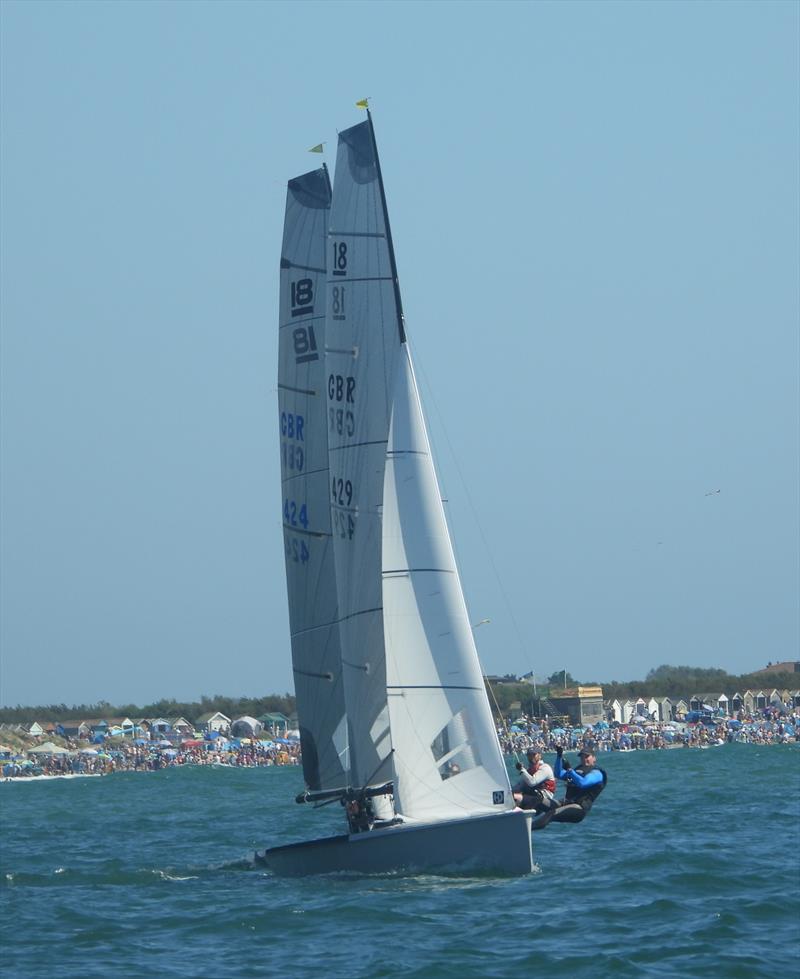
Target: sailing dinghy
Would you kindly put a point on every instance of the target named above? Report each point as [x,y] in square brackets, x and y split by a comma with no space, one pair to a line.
[394,719]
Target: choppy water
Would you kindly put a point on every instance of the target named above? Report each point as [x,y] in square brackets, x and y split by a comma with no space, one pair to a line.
[688,863]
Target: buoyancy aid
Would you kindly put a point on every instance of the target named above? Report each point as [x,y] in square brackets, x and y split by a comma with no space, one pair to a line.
[585,797]
[549,783]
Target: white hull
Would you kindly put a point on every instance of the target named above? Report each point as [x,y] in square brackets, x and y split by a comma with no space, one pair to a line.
[498,842]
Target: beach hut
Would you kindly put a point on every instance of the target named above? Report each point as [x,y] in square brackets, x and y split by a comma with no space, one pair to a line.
[679,710]
[663,709]
[614,711]
[181,726]
[275,721]
[158,727]
[214,721]
[736,703]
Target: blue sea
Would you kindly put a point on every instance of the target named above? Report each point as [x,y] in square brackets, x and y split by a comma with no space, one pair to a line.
[688,865]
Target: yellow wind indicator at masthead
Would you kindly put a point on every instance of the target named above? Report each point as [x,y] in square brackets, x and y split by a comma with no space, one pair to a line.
[363,103]
[319,148]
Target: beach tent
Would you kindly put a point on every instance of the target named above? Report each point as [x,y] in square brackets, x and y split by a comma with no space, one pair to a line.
[246,727]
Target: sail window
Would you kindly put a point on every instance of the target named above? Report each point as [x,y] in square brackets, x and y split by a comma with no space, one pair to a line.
[454,750]
[380,734]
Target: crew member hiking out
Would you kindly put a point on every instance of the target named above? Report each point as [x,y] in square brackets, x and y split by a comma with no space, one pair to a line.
[584,785]
[536,784]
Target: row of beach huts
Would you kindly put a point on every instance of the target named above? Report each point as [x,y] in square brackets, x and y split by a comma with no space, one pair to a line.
[173,729]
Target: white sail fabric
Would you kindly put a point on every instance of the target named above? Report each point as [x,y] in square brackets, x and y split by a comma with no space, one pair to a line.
[310,576]
[446,754]
[363,339]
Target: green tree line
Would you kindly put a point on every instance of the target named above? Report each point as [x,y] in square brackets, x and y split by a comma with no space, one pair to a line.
[664,681]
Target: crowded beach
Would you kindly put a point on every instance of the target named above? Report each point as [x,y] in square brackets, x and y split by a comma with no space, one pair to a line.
[103,748]
[771,725]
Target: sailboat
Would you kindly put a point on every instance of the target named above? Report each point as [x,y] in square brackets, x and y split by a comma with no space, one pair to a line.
[394,719]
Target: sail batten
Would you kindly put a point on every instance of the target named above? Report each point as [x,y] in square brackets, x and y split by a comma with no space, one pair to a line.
[394,717]
[313,608]
[361,348]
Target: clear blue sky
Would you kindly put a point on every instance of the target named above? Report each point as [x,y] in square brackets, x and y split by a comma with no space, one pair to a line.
[595,213]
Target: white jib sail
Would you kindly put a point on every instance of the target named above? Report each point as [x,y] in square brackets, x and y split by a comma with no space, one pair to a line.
[447,757]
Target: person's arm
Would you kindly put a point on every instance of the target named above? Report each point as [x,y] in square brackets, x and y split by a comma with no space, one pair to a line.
[558,769]
[595,777]
[526,778]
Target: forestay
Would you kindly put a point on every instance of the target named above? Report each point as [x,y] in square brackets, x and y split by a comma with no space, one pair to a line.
[313,613]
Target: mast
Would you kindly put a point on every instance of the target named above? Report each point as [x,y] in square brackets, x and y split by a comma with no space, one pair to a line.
[397,298]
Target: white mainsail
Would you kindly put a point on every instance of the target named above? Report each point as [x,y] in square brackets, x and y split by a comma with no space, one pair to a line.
[313,614]
[416,704]
[362,348]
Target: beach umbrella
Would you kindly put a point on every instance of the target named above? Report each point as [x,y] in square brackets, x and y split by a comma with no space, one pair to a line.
[89,751]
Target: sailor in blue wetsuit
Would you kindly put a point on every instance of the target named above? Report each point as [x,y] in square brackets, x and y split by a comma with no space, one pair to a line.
[584,785]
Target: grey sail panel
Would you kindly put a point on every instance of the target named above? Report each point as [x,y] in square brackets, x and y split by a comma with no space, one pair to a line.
[310,574]
[363,340]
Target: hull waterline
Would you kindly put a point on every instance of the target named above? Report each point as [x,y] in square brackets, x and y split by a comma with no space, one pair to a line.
[496,843]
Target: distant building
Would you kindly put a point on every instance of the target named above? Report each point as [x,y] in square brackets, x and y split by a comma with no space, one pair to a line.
[276,722]
[214,721]
[584,705]
[662,709]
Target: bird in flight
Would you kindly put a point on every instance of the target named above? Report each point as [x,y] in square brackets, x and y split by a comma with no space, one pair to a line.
[713,492]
